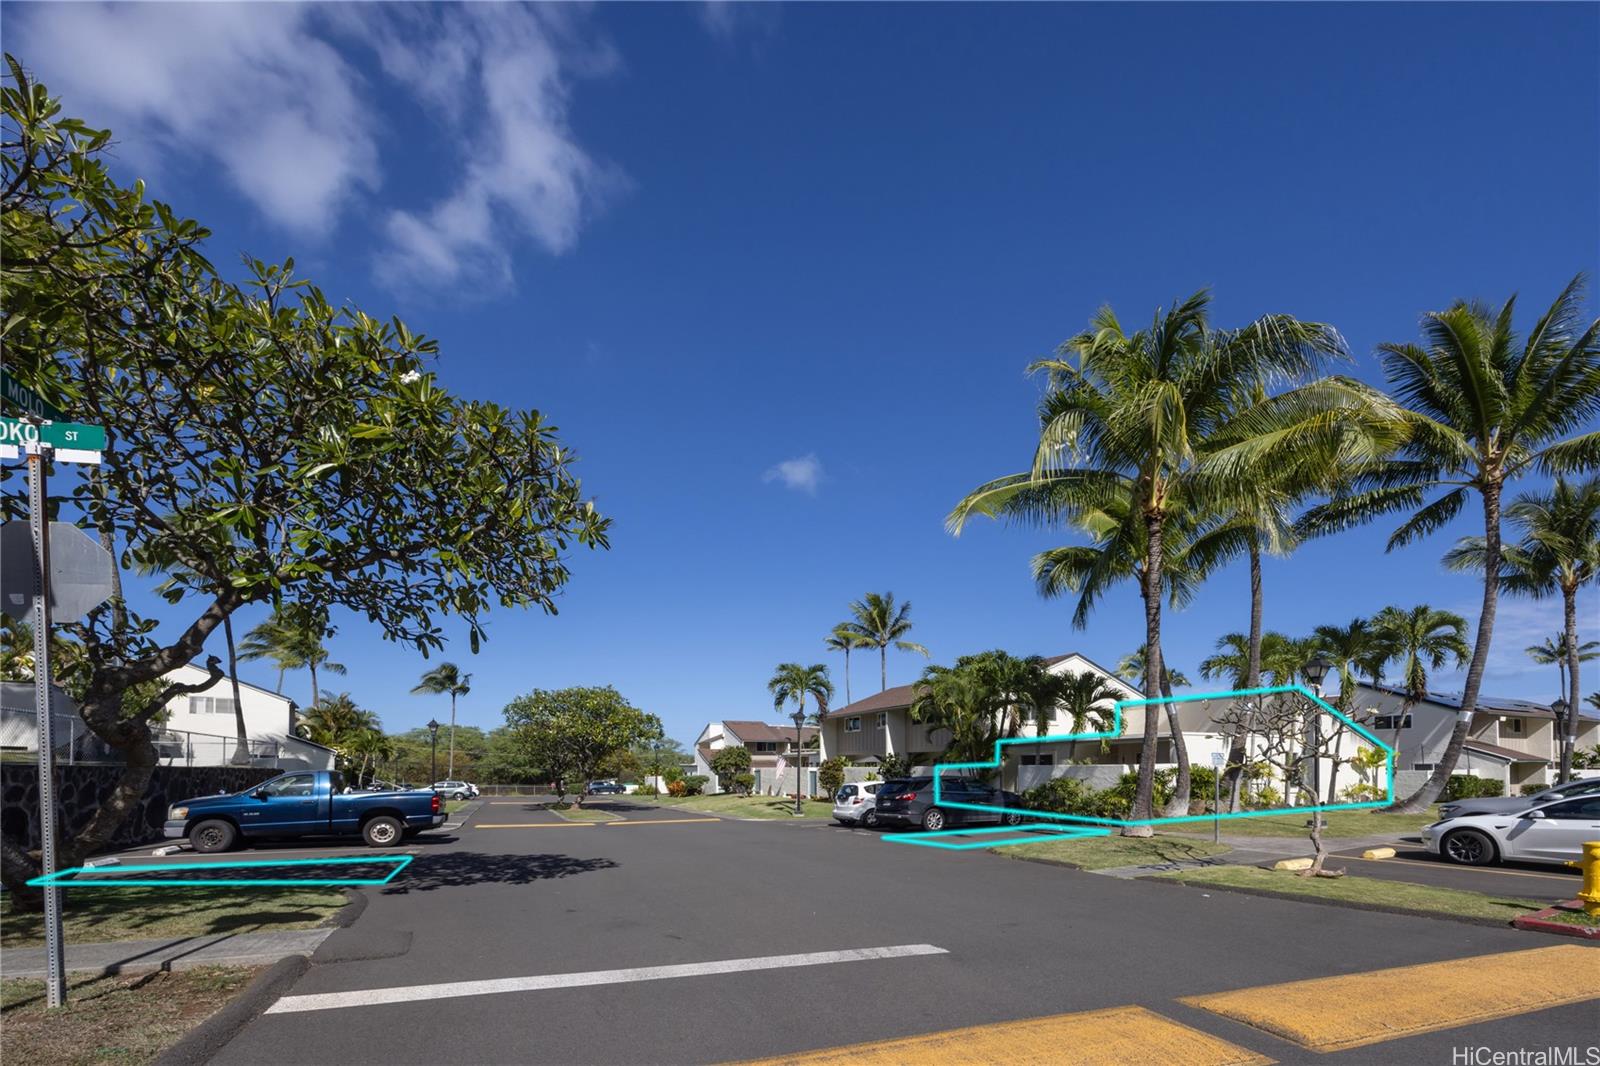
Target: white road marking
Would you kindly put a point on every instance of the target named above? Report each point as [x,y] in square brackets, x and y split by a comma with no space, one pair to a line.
[452,989]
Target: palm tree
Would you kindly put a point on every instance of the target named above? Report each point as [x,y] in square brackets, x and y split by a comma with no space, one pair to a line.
[1131,668]
[1481,407]
[293,637]
[1554,651]
[974,700]
[792,683]
[1131,415]
[878,623]
[844,639]
[1418,639]
[1079,697]
[1558,552]
[1355,654]
[335,721]
[447,677]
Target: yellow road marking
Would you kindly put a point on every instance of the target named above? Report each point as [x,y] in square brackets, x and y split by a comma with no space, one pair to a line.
[538,825]
[1474,869]
[1121,1036]
[1335,1013]
[510,803]
[665,821]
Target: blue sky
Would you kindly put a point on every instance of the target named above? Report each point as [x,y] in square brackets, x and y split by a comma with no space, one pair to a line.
[777,271]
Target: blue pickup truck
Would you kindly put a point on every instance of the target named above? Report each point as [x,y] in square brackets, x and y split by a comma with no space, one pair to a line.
[313,803]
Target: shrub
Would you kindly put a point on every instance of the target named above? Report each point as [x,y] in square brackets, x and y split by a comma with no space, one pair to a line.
[830,776]
[1061,795]
[894,766]
[744,783]
[1360,793]
[694,783]
[1127,787]
[647,788]
[1269,797]
[729,763]
[1465,786]
[677,788]
[1529,790]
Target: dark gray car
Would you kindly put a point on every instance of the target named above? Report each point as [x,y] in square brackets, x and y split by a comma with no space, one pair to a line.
[908,801]
[1513,804]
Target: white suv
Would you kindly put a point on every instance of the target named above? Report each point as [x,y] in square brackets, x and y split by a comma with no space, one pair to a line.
[856,804]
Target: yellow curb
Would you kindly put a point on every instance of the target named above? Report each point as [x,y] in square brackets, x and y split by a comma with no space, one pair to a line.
[1378,853]
[1292,864]
[663,821]
[1121,1036]
[1335,1013]
[538,825]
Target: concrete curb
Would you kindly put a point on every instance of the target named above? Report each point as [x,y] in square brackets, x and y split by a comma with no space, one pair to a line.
[346,916]
[1488,923]
[1538,922]
[201,1043]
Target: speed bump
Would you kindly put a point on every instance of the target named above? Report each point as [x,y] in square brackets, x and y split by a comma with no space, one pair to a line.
[1378,853]
[1335,1013]
[1120,1036]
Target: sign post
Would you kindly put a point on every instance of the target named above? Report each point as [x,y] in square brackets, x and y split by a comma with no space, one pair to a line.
[55,955]
[1218,761]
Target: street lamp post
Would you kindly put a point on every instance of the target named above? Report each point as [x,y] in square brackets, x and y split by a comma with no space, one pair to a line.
[433,752]
[1560,706]
[1315,671]
[799,720]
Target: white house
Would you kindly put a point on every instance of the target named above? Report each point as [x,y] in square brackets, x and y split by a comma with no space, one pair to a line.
[772,754]
[1515,742]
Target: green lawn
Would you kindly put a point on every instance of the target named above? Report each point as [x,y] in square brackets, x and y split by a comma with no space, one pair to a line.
[452,806]
[1335,824]
[95,914]
[1102,853]
[742,806]
[1424,899]
[127,1019]
[583,814]
[1573,918]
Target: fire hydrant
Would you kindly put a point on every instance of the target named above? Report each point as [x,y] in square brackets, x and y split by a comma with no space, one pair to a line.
[1590,865]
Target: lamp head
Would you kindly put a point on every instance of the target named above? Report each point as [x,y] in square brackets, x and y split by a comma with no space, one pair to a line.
[1317,669]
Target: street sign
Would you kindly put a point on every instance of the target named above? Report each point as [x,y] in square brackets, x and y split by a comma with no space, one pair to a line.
[15,394]
[72,435]
[81,571]
[1218,759]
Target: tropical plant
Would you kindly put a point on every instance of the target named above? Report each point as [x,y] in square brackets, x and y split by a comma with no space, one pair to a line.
[1418,639]
[1131,668]
[879,622]
[964,701]
[1079,697]
[844,639]
[1130,415]
[1555,651]
[1557,553]
[446,678]
[1481,407]
[294,638]
[792,683]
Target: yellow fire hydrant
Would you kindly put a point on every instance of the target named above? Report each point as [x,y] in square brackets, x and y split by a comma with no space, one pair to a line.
[1590,865]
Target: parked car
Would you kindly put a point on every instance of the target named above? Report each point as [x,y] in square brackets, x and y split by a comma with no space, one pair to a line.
[909,802]
[1552,832]
[456,790]
[1508,804]
[605,788]
[303,804]
[855,804]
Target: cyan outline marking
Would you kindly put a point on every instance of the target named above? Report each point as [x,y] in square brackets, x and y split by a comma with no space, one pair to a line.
[1116,731]
[65,879]
[922,839]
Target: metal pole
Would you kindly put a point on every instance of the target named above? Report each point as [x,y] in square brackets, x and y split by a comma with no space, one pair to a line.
[1316,764]
[1216,805]
[433,761]
[39,523]
[798,758]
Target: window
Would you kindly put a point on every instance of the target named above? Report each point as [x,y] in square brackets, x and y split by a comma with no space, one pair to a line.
[883,719]
[852,725]
[766,745]
[211,705]
[1422,766]
[1038,760]
[292,785]
[1511,727]
[1577,810]
[844,794]
[1391,721]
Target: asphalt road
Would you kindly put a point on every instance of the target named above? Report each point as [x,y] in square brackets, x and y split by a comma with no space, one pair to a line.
[1018,940]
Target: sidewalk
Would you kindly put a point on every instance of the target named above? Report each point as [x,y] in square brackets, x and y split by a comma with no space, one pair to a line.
[132,956]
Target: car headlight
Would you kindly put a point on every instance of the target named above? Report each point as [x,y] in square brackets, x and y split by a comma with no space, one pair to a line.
[178,814]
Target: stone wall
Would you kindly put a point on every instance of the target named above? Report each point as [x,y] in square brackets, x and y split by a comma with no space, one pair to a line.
[80,790]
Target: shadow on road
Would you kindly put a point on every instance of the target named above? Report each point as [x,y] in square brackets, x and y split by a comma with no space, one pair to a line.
[460,868]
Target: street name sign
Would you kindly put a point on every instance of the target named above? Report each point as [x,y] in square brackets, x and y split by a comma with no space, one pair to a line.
[74,436]
[14,393]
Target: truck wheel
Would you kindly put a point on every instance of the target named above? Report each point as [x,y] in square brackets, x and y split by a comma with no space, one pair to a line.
[383,832]
[211,836]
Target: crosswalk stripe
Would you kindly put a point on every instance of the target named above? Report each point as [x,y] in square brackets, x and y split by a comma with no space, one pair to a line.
[450,989]
[1120,1036]
[1335,1013]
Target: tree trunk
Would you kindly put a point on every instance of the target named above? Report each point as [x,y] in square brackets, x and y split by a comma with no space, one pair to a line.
[1144,797]
[847,698]
[281,672]
[1179,807]
[1252,675]
[450,770]
[1446,766]
[1569,596]
[316,693]
[241,751]
[883,668]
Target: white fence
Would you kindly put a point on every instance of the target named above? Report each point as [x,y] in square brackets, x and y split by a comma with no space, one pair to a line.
[75,744]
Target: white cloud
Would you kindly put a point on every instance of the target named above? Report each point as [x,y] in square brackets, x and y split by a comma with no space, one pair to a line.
[249,87]
[803,474]
[1520,623]
[270,94]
